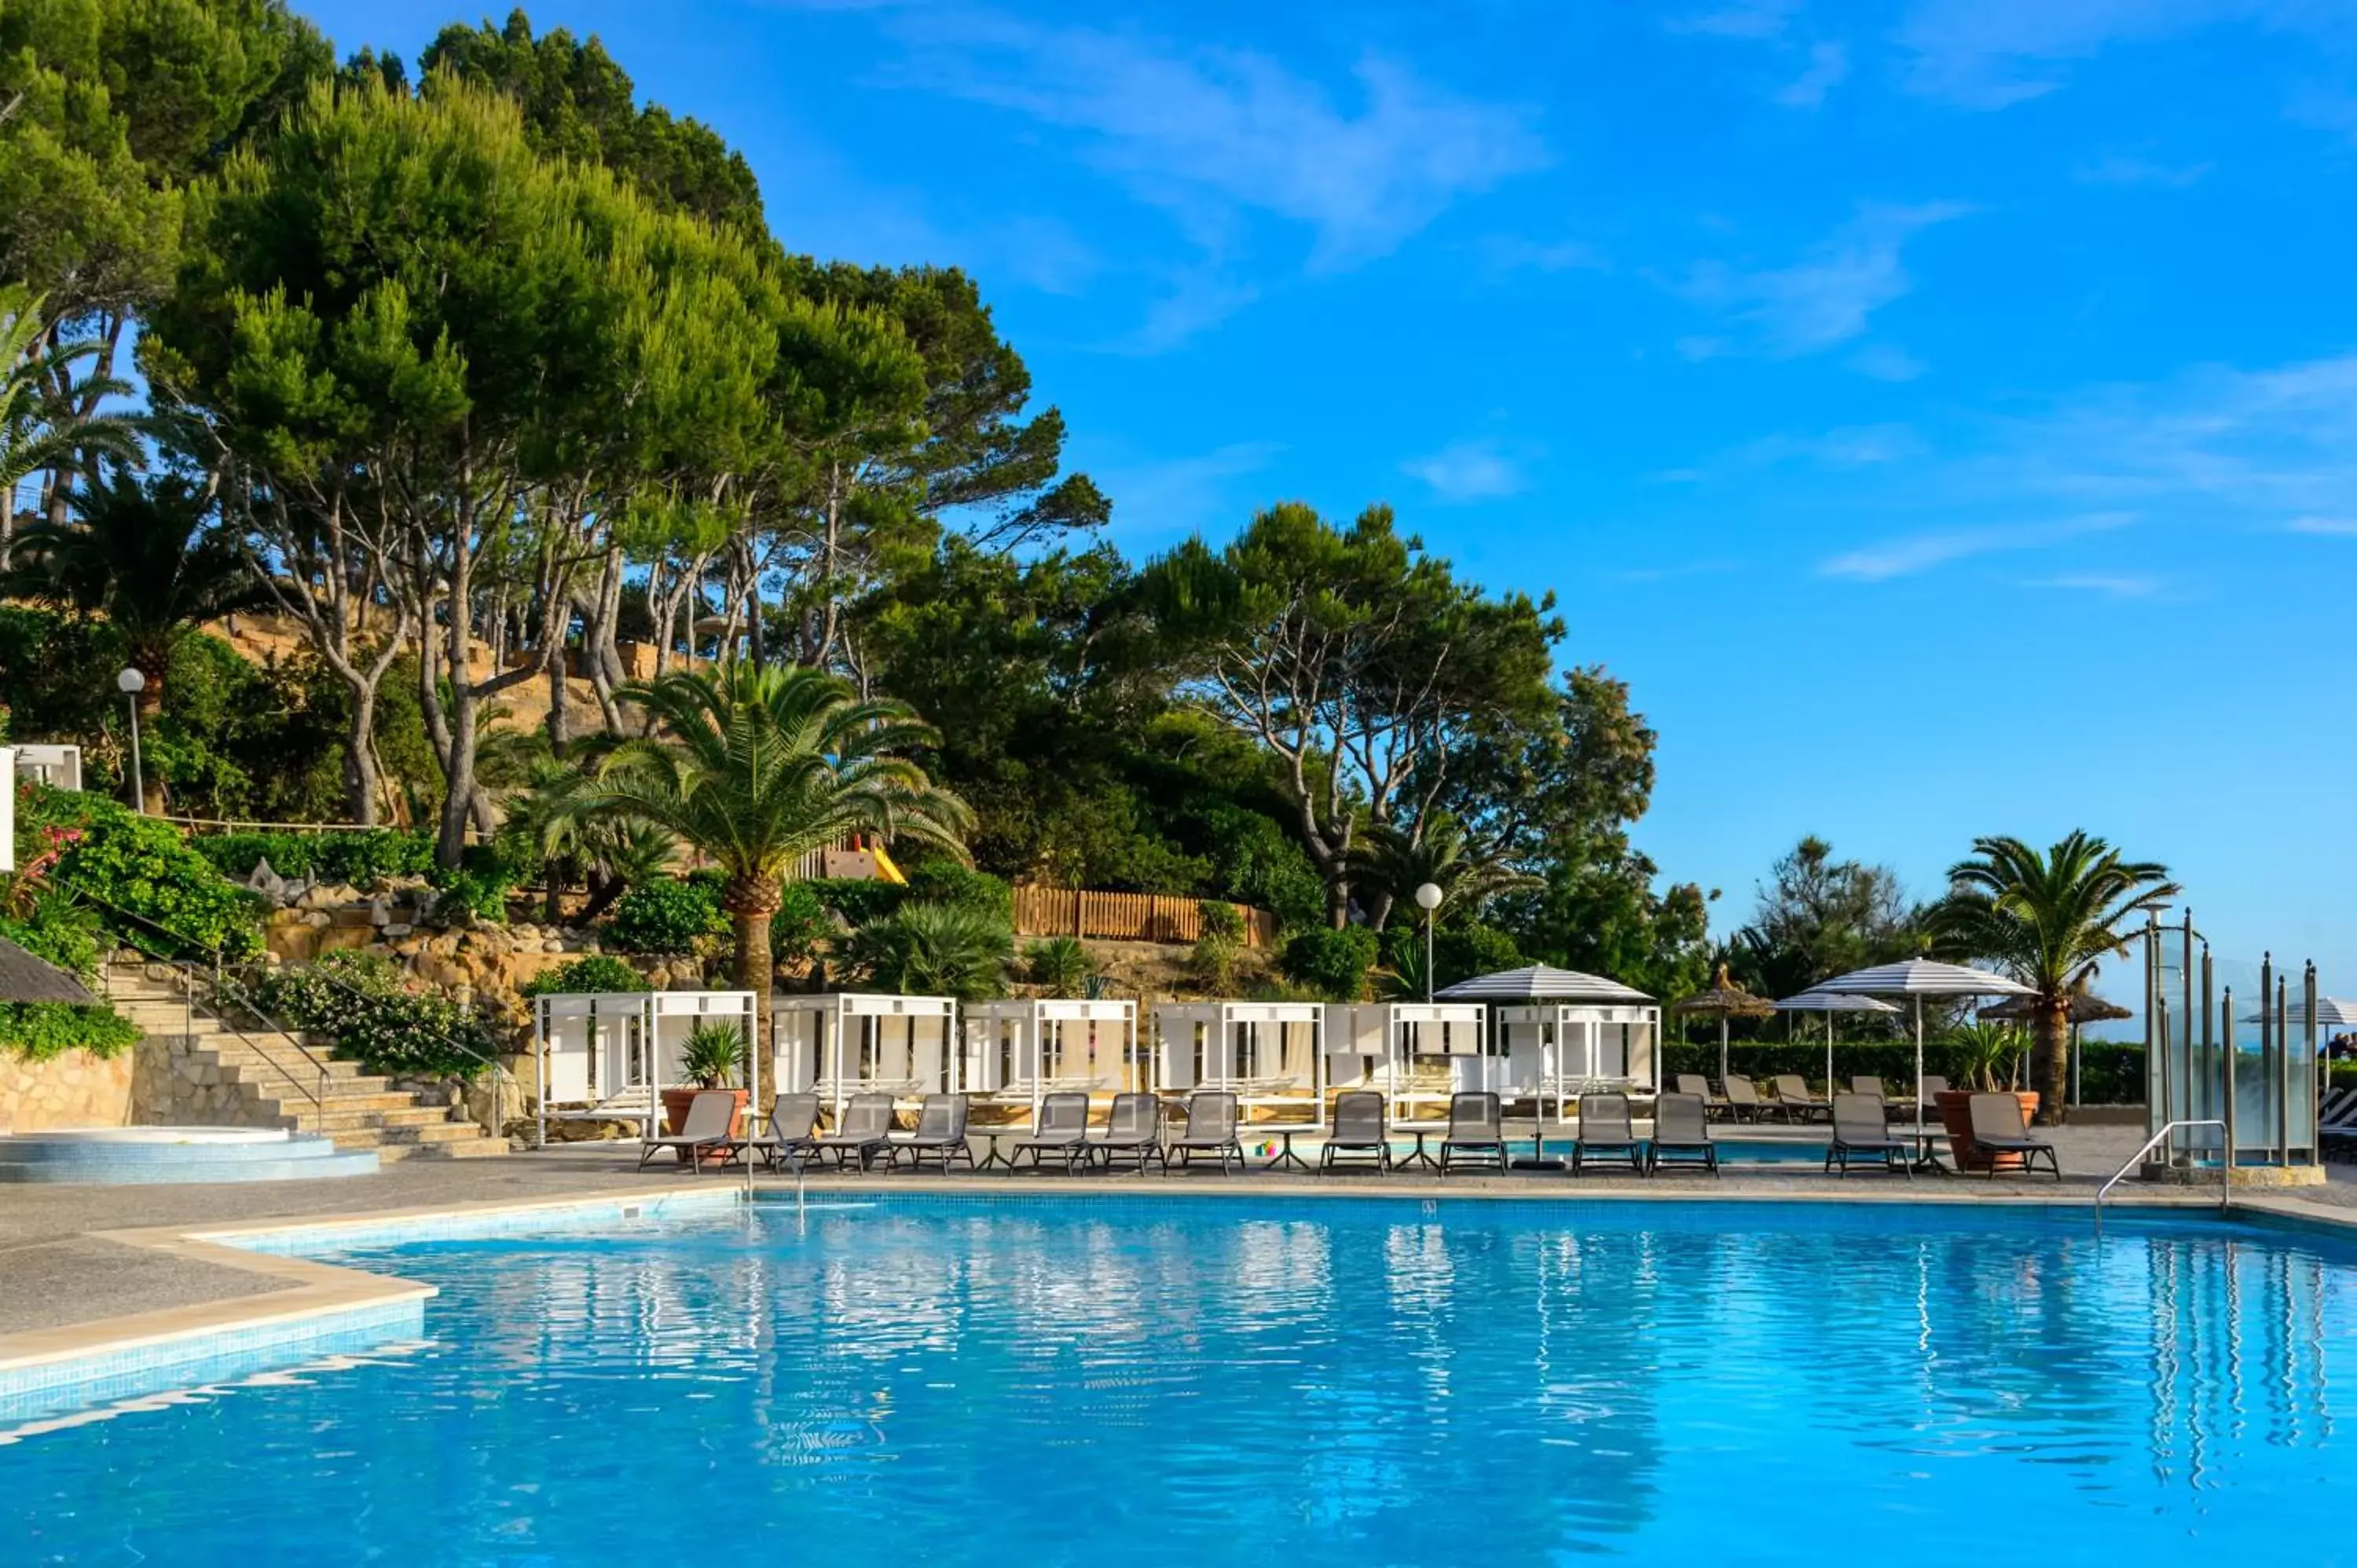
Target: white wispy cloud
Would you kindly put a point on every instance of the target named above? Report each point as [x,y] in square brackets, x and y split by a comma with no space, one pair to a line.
[1469,470]
[1827,68]
[1515,252]
[1162,499]
[1918,553]
[1195,302]
[1740,19]
[1885,362]
[1828,297]
[1192,128]
[1991,54]
[1843,446]
[2112,586]
[2133,169]
[2324,527]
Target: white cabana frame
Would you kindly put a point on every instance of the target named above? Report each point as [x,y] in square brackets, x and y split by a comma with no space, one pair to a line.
[849,1042]
[1387,1039]
[607,1055]
[1040,1045]
[1560,1050]
[1265,1053]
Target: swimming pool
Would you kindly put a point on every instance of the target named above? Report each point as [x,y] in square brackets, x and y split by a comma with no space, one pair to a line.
[1062,1381]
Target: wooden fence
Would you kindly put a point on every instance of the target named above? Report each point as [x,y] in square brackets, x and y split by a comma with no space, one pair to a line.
[1126,917]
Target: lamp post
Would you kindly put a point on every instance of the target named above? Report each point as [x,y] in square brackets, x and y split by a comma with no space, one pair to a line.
[130,683]
[1427,898]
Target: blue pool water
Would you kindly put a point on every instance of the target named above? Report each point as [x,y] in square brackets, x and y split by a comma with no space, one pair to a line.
[1208,1382]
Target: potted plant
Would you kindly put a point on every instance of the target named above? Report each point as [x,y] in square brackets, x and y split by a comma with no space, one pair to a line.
[711,1057]
[1989,1058]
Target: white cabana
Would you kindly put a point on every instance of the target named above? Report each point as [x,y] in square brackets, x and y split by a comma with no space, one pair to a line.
[846,1042]
[607,1056]
[1037,1046]
[1263,1052]
[1385,1041]
[1556,1033]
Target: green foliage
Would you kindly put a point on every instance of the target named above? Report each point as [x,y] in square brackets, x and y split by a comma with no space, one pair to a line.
[858,900]
[670,915]
[1211,963]
[142,881]
[947,882]
[1332,963]
[369,1010]
[713,1055]
[39,1031]
[50,923]
[801,925]
[591,973]
[475,889]
[934,950]
[1221,918]
[1059,965]
[358,858]
[1989,1054]
[1819,916]
[1255,862]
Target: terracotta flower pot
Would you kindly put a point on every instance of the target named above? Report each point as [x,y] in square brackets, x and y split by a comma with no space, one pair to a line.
[675,1102]
[1956,1115]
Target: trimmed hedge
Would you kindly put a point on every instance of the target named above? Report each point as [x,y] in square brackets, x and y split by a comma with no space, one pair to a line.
[1332,963]
[2108,1074]
[594,972]
[362,858]
[39,1031]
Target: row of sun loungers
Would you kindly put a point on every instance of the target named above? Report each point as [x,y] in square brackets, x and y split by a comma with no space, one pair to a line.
[1789,1099]
[1359,1134]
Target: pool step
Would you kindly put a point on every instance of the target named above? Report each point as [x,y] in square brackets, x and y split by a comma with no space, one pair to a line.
[37,1157]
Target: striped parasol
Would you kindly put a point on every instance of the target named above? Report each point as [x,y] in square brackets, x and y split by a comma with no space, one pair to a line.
[1830,1002]
[1919,978]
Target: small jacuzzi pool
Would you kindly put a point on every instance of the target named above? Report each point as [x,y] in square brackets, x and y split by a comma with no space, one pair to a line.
[146,1155]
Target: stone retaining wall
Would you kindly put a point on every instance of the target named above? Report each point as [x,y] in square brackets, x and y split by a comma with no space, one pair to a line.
[76,1090]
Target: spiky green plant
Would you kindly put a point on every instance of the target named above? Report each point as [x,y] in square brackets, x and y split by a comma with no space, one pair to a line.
[1059,966]
[934,950]
[2046,920]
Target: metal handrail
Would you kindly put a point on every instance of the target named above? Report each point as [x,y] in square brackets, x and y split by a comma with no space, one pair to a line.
[2225,1165]
[190,973]
[498,1072]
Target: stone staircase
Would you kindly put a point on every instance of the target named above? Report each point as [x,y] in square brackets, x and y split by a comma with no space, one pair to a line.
[255,1077]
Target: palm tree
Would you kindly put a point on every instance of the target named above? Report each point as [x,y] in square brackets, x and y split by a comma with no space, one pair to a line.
[754,767]
[932,949]
[40,426]
[1392,861]
[138,556]
[2048,920]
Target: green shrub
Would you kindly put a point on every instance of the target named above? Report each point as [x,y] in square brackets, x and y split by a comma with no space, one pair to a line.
[1059,965]
[859,900]
[1258,863]
[669,915]
[357,858]
[594,972]
[800,924]
[1332,963]
[38,1031]
[712,1055]
[1212,964]
[1462,949]
[145,884]
[1221,918]
[371,1011]
[934,950]
[947,882]
[57,930]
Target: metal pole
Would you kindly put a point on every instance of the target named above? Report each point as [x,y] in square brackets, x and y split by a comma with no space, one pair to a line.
[2186,985]
[2207,1010]
[2267,1049]
[2226,1041]
[1428,955]
[2283,1069]
[138,774]
[2308,1066]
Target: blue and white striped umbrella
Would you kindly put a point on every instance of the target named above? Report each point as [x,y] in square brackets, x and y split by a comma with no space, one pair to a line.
[1919,978]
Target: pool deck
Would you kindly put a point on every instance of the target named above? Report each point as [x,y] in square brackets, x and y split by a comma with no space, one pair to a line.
[86,1268]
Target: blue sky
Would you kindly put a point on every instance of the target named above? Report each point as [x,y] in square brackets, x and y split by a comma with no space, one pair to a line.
[1830,363]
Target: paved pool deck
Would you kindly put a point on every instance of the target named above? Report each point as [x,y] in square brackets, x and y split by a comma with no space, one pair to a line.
[60,1269]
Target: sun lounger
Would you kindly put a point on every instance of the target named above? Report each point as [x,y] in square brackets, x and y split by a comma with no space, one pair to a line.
[1477,1132]
[866,1131]
[1997,1127]
[786,1138]
[1743,1102]
[708,1126]
[1605,1129]
[1867,1083]
[1062,1130]
[1681,1134]
[1698,1085]
[1357,1132]
[1793,1094]
[941,1134]
[1211,1130]
[1134,1132]
[1860,1137]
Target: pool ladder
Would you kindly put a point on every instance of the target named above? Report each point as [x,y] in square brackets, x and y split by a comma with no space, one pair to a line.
[2225,1165]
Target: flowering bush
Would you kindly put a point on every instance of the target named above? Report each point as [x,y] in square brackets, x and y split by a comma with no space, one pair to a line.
[371,1011]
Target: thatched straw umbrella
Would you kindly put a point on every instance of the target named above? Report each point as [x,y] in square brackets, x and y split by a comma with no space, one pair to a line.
[2086,1007]
[1723,1000]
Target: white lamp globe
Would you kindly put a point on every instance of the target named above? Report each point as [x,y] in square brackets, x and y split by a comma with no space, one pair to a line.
[1427,897]
[131,683]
